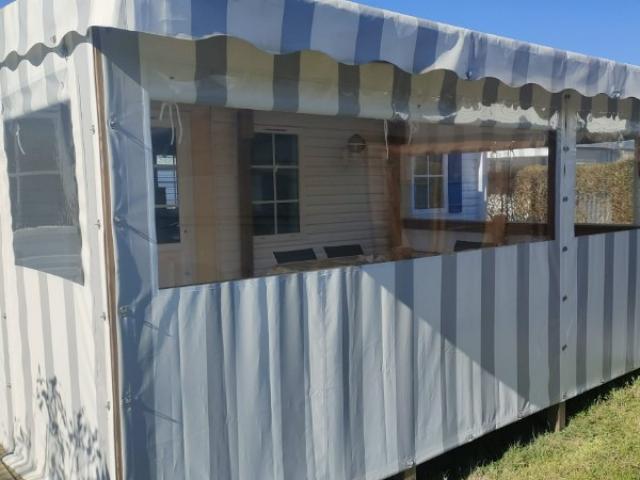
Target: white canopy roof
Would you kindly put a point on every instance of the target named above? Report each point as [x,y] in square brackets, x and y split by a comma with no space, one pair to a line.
[348,32]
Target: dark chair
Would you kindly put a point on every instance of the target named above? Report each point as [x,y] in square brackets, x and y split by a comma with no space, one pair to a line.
[295,256]
[343,251]
[462,246]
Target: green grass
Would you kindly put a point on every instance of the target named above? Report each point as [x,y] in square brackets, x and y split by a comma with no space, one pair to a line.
[601,442]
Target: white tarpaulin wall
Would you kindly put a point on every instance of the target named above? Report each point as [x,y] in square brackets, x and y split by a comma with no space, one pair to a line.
[360,373]
[55,413]
[357,372]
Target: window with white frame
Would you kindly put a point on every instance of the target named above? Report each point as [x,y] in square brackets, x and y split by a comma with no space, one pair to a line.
[428,178]
[275,184]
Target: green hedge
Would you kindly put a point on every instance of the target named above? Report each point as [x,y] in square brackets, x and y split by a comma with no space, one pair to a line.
[609,186]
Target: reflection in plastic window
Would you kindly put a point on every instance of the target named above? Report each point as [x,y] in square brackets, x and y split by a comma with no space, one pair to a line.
[517,184]
[428,182]
[407,191]
[44,192]
[274,173]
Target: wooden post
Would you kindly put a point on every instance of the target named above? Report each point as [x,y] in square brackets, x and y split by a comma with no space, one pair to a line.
[397,137]
[558,416]
[565,250]
[411,474]
[110,258]
[204,197]
[245,139]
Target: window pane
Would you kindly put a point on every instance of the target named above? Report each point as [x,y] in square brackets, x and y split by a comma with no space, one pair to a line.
[421,166]
[288,218]
[164,146]
[263,219]
[435,192]
[287,183]
[167,187]
[435,164]
[167,225]
[167,200]
[286,149]
[33,156]
[421,193]
[262,184]
[33,211]
[262,149]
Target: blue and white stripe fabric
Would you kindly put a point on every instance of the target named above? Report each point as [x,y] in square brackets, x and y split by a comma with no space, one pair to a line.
[351,34]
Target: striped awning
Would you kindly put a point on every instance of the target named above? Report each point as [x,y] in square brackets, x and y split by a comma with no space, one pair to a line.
[349,33]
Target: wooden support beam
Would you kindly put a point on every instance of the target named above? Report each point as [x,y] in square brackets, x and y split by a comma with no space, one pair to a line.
[411,474]
[397,136]
[109,256]
[558,416]
[245,139]
[203,164]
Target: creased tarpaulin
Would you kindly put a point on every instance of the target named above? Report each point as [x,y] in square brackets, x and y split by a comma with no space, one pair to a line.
[55,414]
[349,33]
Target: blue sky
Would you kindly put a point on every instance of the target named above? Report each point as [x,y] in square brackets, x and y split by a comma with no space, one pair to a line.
[596,27]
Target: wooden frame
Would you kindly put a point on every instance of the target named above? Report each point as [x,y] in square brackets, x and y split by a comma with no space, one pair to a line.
[245,138]
[396,137]
[110,261]
[473,226]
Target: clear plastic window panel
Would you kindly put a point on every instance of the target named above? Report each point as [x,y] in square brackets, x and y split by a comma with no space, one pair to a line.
[44,192]
[607,175]
[304,192]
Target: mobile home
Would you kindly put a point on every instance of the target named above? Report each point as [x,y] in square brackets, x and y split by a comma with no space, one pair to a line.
[300,238]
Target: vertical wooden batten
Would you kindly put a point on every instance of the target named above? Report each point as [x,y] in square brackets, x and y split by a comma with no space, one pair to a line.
[245,128]
[396,138]
[110,262]
[203,170]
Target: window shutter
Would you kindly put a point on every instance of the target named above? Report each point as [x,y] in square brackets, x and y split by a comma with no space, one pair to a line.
[454,179]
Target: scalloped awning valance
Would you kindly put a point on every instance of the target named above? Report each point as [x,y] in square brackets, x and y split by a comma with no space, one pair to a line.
[348,32]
